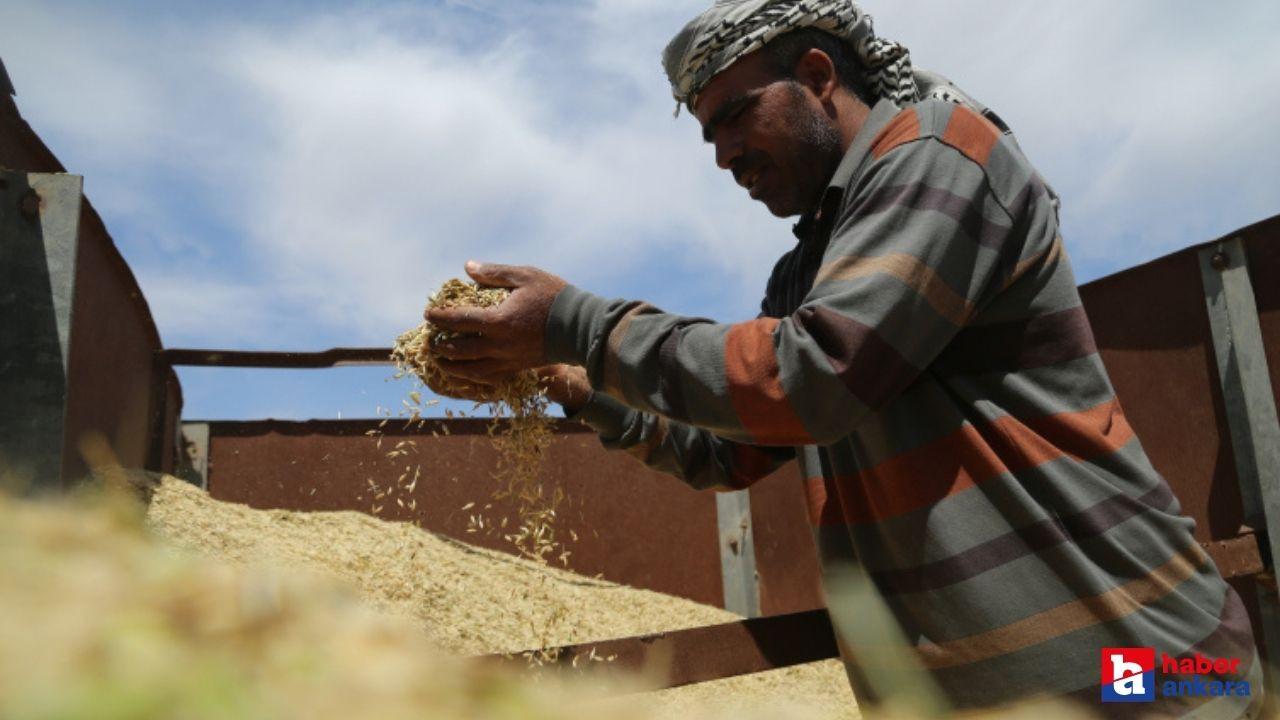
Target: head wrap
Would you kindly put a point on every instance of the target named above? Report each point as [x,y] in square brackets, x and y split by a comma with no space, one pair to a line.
[730,29]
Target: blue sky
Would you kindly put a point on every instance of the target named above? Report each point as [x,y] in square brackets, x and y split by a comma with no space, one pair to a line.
[296,175]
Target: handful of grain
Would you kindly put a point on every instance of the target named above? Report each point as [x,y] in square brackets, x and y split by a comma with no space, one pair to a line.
[412,352]
[518,399]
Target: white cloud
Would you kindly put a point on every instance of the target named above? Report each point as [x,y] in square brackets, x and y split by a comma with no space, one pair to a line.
[388,164]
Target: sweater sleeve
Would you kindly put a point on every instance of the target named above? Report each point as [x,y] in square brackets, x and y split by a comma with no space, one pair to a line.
[696,456]
[915,251]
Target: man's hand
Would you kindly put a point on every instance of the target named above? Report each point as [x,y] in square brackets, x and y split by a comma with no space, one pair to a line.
[566,385]
[495,342]
[461,389]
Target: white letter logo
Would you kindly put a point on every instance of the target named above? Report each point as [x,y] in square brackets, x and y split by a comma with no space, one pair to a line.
[1130,685]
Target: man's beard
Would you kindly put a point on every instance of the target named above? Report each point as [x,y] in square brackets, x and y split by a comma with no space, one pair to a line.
[819,148]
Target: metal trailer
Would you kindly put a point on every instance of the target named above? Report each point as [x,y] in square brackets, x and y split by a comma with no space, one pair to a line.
[1191,340]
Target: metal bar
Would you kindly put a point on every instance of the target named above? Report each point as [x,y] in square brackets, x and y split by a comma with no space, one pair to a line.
[737,553]
[393,426]
[1246,386]
[271,359]
[1251,412]
[712,652]
[1236,557]
[39,241]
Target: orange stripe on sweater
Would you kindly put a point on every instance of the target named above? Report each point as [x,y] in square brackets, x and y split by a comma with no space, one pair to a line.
[755,389]
[902,128]
[971,134]
[969,456]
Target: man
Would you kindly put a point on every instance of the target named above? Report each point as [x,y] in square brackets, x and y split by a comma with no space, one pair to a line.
[922,352]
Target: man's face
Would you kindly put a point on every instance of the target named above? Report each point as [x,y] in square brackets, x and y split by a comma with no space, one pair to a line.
[771,133]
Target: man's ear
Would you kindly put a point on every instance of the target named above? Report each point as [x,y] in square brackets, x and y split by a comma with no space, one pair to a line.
[817,72]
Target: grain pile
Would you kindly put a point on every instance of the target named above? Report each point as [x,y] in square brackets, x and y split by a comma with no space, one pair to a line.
[469,600]
[105,625]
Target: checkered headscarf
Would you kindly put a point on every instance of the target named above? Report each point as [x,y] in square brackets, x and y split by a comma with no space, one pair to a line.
[730,29]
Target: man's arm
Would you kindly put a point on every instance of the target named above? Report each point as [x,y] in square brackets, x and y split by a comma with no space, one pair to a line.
[922,246]
[697,457]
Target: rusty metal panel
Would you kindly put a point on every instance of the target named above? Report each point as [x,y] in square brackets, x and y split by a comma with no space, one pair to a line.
[790,579]
[1152,331]
[113,341]
[113,337]
[169,410]
[633,525]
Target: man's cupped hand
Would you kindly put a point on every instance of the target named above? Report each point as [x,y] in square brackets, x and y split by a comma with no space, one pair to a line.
[495,342]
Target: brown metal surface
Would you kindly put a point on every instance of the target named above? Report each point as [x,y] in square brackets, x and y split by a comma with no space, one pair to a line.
[113,339]
[1153,334]
[786,560]
[113,336]
[712,652]
[634,525]
[333,357]
[164,418]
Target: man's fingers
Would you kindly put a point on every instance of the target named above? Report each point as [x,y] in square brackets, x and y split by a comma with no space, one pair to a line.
[467,348]
[462,389]
[459,319]
[495,275]
[487,371]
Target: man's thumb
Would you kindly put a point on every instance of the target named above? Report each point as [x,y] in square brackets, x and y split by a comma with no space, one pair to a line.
[492,274]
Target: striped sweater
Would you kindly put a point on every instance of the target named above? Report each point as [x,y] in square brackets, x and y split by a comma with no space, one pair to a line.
[924,355]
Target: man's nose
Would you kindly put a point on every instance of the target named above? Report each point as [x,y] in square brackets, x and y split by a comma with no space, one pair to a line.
[728,149]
